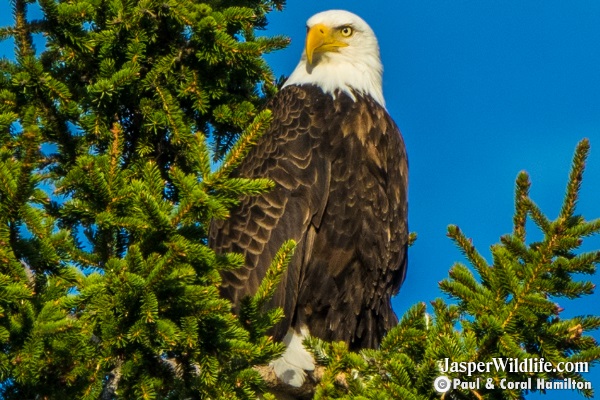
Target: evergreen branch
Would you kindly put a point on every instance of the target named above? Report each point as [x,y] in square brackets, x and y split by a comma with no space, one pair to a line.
[180,131]
[8,183]
[256,319]
[202,160]
[575,178]
[248,139]
[22,35]
[584,263]
[517,247]
[470,252]
[274,274]
[412,238]
[582,229]
[243,187]
[538,216]
[410,329]
[521,194]
[181,10]
[115,153]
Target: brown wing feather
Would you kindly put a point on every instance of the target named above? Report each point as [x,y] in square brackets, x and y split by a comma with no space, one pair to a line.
[341,172]
[259,225]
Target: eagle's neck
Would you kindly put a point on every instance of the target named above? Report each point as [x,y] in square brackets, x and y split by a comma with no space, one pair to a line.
[348,73]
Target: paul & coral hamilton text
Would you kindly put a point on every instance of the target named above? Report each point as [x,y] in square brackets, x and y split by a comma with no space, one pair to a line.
[529,384]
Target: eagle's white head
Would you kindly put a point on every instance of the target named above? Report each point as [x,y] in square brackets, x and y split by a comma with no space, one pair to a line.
[341,52]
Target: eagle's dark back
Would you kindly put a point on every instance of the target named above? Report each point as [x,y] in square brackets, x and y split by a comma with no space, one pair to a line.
[341,175]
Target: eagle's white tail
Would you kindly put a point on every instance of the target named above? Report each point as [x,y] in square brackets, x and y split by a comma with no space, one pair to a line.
[291,367]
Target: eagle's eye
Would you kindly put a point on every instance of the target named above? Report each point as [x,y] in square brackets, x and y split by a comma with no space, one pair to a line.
[347,31]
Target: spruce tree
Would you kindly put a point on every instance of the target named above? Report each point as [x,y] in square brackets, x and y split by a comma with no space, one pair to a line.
[107,286]
[108,140]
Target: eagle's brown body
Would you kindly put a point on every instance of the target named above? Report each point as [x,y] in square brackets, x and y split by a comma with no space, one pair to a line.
[341,172]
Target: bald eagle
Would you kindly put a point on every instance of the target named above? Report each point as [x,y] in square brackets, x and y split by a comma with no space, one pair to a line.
[340,168]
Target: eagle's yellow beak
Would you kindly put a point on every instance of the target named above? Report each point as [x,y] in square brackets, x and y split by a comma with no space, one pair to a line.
[320,39]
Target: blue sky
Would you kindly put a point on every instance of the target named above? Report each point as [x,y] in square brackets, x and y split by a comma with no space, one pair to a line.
[481,90]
